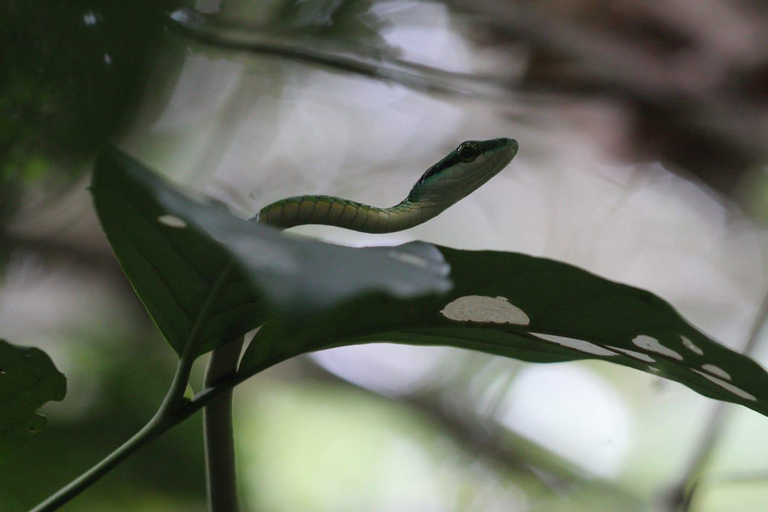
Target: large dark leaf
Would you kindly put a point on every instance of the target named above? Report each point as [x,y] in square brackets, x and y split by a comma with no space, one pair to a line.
[538,310]
[203,273]
[28,379]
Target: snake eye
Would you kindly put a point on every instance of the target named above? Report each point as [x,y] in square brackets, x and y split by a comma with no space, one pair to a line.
[467,151]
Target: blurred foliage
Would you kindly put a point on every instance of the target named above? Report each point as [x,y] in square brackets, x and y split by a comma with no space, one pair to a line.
[753,192]
[69,71]
[93,421]
[28,379]
[354,451]
[687,83]
[347,24]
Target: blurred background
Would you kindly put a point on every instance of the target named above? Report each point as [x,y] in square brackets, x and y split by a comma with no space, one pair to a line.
[643,129]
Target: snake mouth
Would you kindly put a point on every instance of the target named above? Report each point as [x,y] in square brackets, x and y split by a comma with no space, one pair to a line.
[508,146]
[499,153]
[501,142]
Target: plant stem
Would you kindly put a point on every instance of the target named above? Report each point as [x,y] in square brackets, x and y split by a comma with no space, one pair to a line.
[229,37]
[221,475]
[166,416]
[150,431]
[160,422]
[174,410]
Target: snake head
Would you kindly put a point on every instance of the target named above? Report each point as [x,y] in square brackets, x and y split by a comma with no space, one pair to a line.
[462,171]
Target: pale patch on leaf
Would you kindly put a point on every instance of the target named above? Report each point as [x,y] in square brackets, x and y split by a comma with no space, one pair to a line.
[634,355]
[576,344]
[727,386]
[716,371]
[691,346]
[653,345]
[481,309]
[172,221]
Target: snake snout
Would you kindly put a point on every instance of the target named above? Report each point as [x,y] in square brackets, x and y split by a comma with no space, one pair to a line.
[511,143]
[509,146]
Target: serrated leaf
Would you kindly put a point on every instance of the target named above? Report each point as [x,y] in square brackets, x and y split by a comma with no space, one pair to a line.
[195,264]
[28,379]
[537,310]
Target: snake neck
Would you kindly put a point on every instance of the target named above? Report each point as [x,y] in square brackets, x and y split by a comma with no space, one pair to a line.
[343,213]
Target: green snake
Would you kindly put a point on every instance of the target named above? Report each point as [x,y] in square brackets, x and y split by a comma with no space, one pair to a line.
[460,173]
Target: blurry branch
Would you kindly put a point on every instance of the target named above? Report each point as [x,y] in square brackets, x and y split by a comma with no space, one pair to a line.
[689,82]
[489,442]
[260,40]
[610,60]
[683,493]
[605,61]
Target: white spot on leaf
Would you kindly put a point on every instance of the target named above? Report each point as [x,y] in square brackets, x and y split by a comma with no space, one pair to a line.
[716,371]
[727,386]
[634,355]
[90,18]
[411,259]
[653,345]
[690,346]
[172,221]
[477,308]
[576,344]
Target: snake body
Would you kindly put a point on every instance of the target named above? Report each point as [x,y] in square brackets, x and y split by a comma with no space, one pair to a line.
[451,179]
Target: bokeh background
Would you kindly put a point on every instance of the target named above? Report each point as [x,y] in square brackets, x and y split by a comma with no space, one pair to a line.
[643,129]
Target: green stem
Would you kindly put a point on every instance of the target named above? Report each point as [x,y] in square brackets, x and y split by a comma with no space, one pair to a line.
[150,431]
[160,422]
[166,416]
[219,435]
